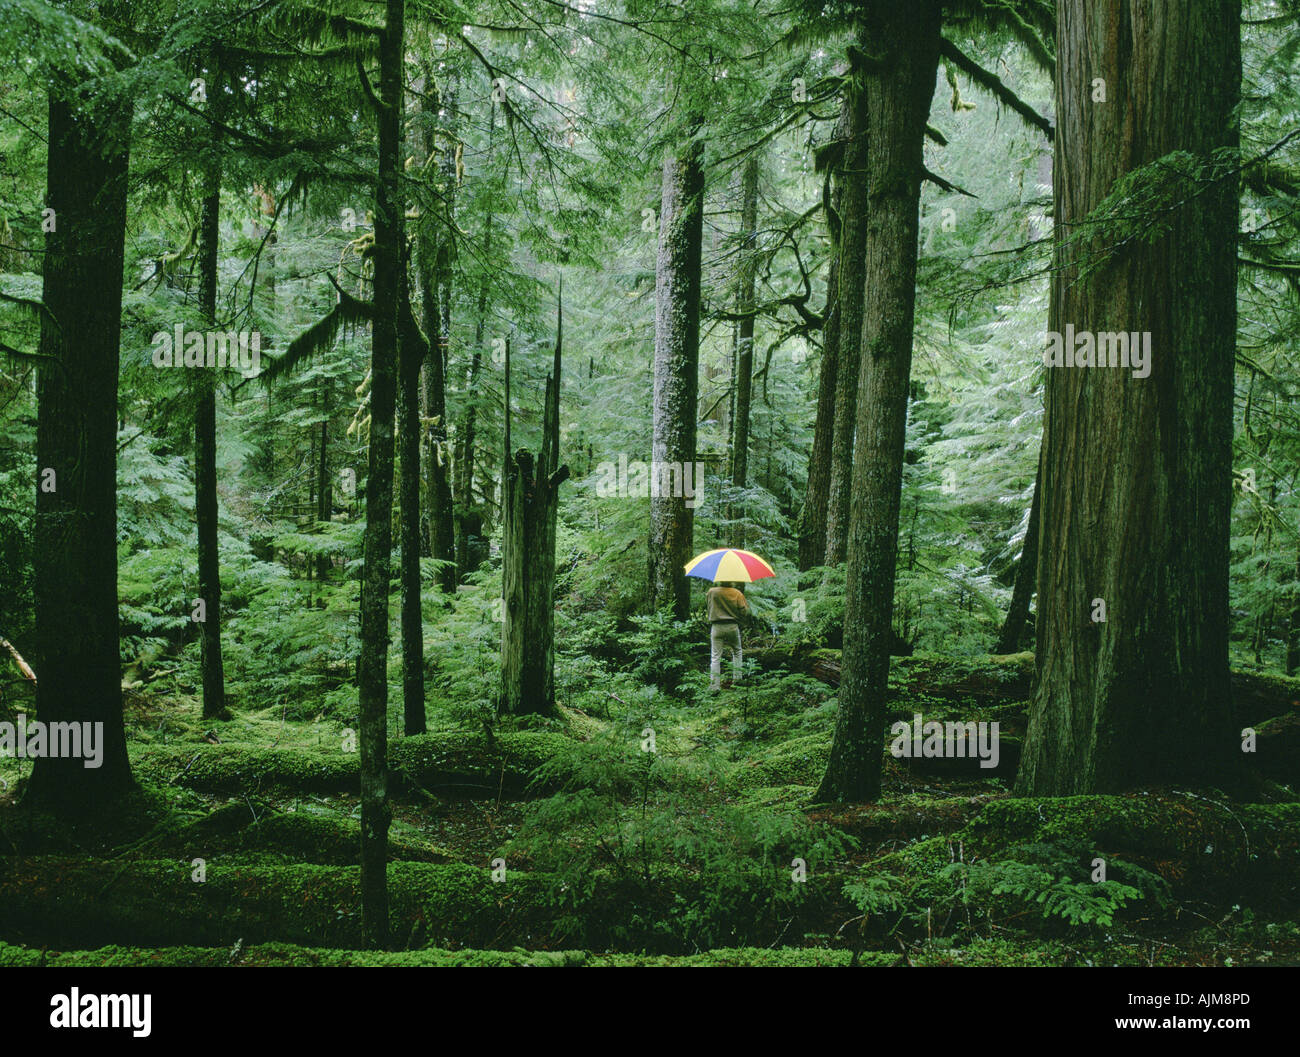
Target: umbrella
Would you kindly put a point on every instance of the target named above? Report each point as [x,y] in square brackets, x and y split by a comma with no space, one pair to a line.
[728,563]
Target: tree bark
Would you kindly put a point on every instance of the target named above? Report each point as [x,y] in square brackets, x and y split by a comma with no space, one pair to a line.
[324,488]
[899,85]
[372,667]
[75,530]
[676,373]
[1293,627]
[432,263]
[1137,471]
[205,437]
[812,519]
[744,372]
[1026,577]
[851,289]
[530,502]
[411,357]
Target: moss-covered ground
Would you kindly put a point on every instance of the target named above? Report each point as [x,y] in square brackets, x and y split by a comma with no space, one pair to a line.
[645,828]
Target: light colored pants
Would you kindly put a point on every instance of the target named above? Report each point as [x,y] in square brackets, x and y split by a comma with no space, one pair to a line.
[721,635]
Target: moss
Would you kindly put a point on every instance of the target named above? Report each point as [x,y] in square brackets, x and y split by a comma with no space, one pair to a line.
[907,819]
[158,902]
[465,764]
[279,954]
[298,836]
[799,761]
[249,769]
[1194,843]
[452,763]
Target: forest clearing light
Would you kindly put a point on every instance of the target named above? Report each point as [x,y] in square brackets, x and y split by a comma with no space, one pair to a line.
[951,739]
[1102,349]
[639,480]
[53,741]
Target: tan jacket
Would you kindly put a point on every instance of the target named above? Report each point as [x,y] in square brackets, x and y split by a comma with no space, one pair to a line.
[725,603]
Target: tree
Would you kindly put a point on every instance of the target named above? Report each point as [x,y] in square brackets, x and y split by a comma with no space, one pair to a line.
[850,293]
[898,81]
[812,519]
[676,371]
[435,292]
[745,327]
[205,428]
[78,668]
[1026,578]
[1132,631]
[530,504]
[372,665]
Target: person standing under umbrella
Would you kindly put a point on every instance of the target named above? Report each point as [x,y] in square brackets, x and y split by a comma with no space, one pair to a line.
[729,569]
[726,606]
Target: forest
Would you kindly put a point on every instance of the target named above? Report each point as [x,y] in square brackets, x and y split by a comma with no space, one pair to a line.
[625,483]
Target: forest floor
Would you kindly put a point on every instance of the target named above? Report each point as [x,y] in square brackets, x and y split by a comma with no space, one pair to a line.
[675,830]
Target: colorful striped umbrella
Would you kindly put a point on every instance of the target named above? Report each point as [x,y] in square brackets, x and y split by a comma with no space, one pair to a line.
[729,564]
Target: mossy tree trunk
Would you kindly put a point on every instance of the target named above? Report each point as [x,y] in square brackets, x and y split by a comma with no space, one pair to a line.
[676,372]
[1137,471]
[411,358]
[742,382]
[324,487]
[851,290]
[205,428]
[530,502]
[78,668]
[372,666]
[898,77]
[433,262]
[812,519]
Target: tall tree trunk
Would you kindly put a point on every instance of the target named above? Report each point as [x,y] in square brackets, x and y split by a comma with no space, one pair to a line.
[1293,626]
[899,83]
[529,506]
[676,373]
[1026,576]
[412,354]
[78,669]
[744,373]
[324,489]
[851,174]
[812,519]
[469,519]
[205,436]
[432,258]
[372,667]
[1137,471]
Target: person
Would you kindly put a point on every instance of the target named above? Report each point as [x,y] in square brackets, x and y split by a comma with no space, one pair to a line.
[726,606]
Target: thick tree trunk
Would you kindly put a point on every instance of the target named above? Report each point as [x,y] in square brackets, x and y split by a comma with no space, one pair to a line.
[1026,577]
[372,667]
[899,84]
[1137,471]
[75,531]
[744,360]
[205,443]
[851,175]
[676,375]
[529,506]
